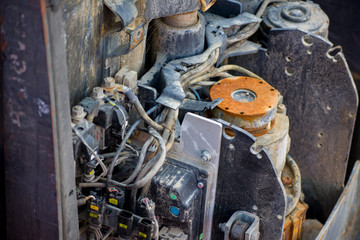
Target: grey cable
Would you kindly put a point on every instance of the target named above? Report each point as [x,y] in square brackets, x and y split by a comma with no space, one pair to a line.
[82,139]
[143,181]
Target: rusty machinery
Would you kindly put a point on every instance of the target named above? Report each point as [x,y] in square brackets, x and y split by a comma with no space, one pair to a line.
[205,119]
[198,146]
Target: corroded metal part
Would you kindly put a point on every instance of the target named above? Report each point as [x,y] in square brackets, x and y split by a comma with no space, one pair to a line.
[276,141]
[242,225]
[294,222]
[302,15]
[309,76]
[248,103]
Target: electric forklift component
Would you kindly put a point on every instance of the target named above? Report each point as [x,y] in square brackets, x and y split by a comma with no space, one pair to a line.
[306,16]
[248,103]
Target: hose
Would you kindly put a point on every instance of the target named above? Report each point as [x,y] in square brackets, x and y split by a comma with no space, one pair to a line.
[171,140]
[198,71]
[240,70]
[82,201]
[140,110]
[169,124]
[220,72]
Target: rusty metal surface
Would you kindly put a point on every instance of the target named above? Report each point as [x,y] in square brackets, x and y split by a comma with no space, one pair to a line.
[322,103]
[344,221]
[248,182]
[31,181]
[266,97]
[294,222]
[248,103]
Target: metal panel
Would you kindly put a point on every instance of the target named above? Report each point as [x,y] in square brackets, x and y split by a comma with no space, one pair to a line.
[199,134]
[344,221]
[247,182]
[34,74]
[322,100]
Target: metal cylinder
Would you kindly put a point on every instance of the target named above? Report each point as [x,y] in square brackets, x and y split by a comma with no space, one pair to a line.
[251,104]
[179,36]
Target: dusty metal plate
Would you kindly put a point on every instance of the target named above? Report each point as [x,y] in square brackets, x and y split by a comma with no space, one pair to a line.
[344,221]
[199,134]
[249,183]
[321,99]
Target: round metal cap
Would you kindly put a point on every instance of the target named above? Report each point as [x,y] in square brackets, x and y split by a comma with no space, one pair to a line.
[306,16]
[248,102]
[245,97]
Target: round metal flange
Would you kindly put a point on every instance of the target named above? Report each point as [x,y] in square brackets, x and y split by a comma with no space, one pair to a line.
[302,15]
[248,103]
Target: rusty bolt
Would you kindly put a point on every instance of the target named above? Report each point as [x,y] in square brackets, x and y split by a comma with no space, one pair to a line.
[281,108]
[286,180]
[98,93]
[109,82]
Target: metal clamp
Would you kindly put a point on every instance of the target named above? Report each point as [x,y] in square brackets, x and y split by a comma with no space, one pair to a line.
[238,218]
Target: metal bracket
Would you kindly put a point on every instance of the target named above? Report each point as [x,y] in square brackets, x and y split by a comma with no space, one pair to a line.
[199,106]
[125,9]
[199,134]
[136,35]
[252,233]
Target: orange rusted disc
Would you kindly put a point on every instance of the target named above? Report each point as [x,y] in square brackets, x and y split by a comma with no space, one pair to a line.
[245,97]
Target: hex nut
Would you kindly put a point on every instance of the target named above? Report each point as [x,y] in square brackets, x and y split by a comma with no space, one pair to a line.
[98,93]
[206,156]
[109,82]
[77,113]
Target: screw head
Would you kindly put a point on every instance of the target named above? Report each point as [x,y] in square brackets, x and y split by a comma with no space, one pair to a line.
[200,185]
